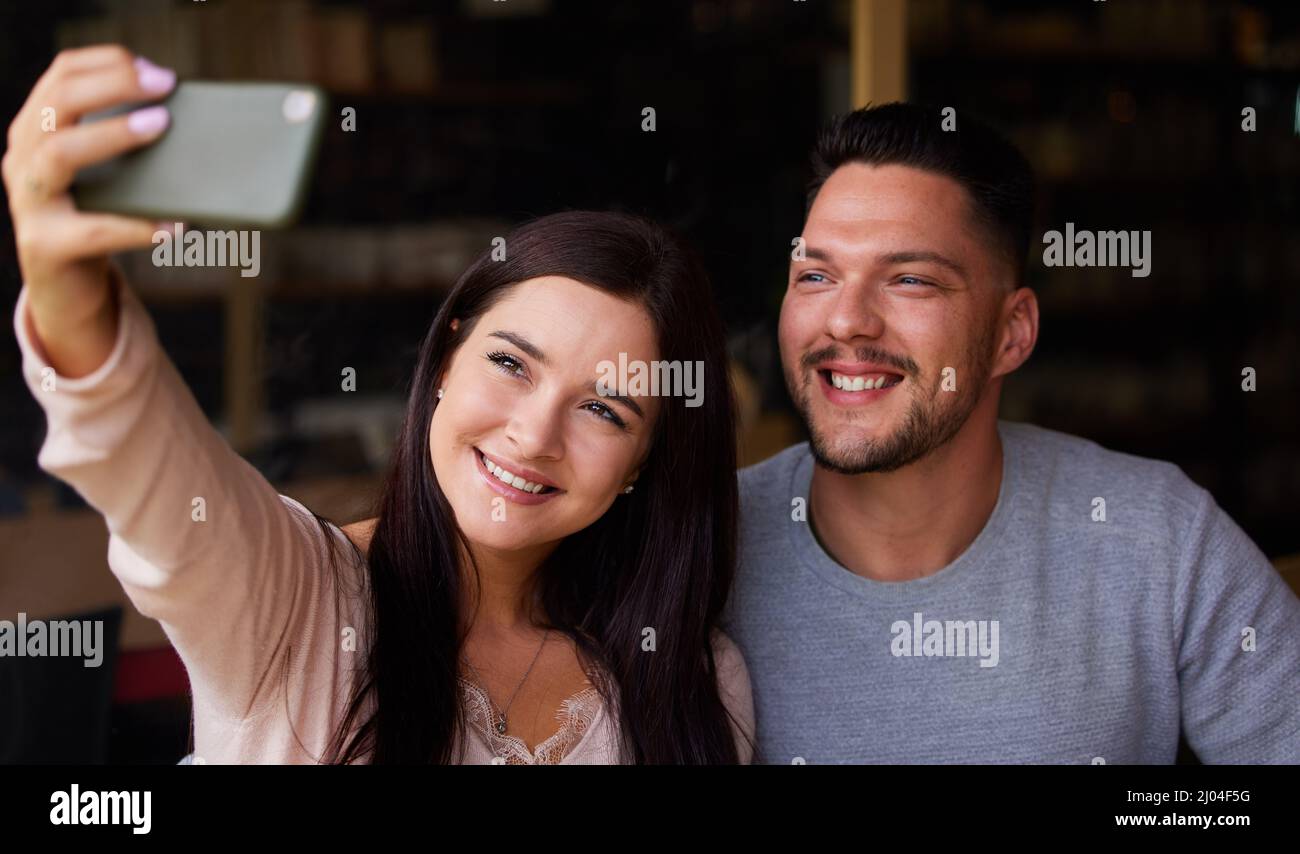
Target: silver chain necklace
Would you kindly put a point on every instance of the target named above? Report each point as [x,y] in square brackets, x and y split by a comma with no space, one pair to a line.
[501,721]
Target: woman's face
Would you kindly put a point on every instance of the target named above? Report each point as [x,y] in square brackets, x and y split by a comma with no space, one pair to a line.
[521,390]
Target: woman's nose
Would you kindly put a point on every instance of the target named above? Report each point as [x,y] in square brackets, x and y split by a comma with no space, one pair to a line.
[536,427]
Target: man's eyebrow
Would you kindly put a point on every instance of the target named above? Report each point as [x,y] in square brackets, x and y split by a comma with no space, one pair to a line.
[931,257]
[522,343]
[898,258]
[626,401]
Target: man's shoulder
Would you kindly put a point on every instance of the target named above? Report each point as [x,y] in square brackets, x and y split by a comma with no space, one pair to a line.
[1061,467]
[772,475]
[1078,455]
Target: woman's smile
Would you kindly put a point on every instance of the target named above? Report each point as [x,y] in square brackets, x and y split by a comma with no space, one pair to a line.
[525,492]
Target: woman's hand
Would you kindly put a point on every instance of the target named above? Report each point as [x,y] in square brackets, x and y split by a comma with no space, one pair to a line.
[64,253]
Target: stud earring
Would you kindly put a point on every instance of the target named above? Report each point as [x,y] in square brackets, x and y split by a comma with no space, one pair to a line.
[627,489]
[440,394]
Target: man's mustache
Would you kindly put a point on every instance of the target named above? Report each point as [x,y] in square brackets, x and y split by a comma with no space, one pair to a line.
[863,354]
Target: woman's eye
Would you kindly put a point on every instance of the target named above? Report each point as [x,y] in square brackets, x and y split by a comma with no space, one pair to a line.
[507,364]
[608,414]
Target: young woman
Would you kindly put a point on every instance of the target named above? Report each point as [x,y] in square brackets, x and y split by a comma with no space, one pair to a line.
[548,561]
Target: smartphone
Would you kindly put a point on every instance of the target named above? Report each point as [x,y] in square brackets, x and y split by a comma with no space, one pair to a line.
[234,154]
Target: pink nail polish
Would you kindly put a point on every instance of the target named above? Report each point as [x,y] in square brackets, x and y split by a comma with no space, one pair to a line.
[153,78]
[147,120]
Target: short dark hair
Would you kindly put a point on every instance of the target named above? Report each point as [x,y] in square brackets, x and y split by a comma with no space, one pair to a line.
[997,176]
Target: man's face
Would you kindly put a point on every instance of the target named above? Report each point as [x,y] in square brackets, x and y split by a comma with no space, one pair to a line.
[898,284]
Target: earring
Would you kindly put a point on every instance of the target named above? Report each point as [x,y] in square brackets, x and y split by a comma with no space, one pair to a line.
[627,489]
[440,394]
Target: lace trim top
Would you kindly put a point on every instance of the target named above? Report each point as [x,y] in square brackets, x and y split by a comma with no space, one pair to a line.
[575,715]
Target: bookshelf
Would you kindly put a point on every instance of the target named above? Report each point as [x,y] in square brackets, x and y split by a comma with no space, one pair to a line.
[1131,115]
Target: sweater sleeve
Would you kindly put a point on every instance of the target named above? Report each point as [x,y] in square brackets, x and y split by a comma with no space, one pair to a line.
[1237,627]
[198,538]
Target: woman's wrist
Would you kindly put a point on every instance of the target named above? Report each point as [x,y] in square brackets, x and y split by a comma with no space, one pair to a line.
[77,347]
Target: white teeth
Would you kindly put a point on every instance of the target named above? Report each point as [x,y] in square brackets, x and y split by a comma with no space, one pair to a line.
[512,479]
[856,383]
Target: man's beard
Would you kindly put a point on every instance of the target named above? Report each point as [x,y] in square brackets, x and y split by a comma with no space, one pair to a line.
[925,427]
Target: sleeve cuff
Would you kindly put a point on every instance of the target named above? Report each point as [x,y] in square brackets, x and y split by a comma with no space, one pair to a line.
[35,358]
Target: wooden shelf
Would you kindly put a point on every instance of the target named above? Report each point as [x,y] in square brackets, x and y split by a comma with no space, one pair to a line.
[477,95]
[170,294]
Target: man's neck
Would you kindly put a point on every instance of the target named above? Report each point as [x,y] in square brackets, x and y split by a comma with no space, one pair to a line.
[912,522]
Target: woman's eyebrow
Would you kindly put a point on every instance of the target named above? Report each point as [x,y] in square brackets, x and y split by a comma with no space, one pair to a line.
[623,399]
[522,343]
[532,350]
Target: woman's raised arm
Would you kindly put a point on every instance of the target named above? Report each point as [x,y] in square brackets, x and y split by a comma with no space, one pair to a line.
[198,537]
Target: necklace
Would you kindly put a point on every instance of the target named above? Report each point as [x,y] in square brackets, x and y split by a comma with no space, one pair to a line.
[501,720]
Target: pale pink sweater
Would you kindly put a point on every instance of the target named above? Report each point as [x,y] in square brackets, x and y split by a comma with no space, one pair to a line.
[244,595]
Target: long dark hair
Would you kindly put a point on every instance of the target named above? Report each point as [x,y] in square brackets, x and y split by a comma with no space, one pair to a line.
[660,558]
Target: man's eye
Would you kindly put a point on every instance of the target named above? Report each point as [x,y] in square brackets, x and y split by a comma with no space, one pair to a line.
[506,363]
[807,277]
[912,280]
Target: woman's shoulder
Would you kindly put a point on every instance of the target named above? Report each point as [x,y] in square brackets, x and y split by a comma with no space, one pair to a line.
[735,691]
[725,647]
[730,661]
[360,532]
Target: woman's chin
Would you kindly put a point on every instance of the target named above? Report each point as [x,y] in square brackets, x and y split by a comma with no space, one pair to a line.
[497,536]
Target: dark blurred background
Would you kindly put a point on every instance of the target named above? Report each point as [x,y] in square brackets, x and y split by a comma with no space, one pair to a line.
[472,116]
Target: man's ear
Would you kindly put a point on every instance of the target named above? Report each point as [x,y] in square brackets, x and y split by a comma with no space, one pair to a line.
[1017,331]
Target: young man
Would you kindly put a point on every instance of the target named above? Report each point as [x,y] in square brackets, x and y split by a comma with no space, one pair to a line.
[920,582]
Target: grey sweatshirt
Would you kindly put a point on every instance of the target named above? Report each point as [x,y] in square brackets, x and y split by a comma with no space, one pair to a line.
[1068,632]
